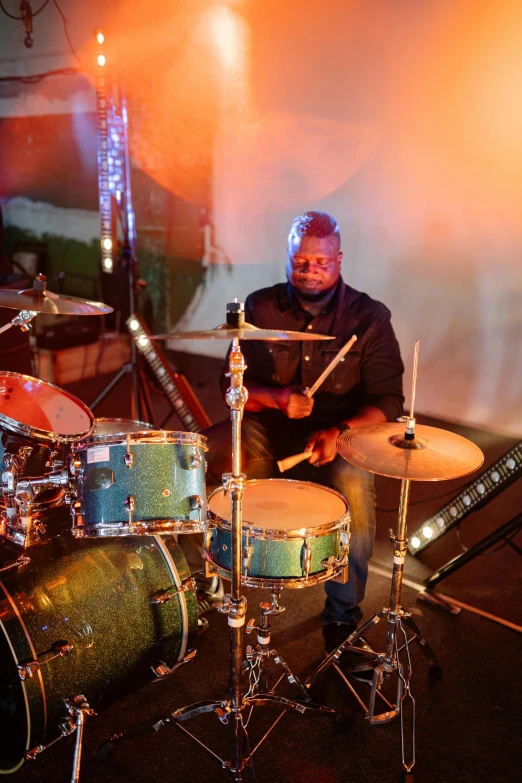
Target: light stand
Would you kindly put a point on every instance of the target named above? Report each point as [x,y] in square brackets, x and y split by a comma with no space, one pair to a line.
[141,405]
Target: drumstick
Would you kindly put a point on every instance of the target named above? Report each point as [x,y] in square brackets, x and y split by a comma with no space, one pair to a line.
[289,462]
[333,364]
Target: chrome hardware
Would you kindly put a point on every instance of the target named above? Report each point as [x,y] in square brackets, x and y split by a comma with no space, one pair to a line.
[196,504]
[234,609]
[250,625]
[164,597]
[19,563]
[223,714]
[248,553]
[162,670]
[74,465]
[306,557]
[28,669]
[195,460]
[32,755]
[130,505]
[128,458]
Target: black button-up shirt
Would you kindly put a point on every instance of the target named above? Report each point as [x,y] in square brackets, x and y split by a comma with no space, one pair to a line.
[370,373]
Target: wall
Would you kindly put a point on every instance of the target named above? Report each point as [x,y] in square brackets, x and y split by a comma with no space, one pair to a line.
[403,120]
[401,117]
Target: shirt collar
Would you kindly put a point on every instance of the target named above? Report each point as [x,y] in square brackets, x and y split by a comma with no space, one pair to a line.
[288,300]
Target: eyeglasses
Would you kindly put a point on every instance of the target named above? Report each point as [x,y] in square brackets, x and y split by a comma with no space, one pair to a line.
[322,263]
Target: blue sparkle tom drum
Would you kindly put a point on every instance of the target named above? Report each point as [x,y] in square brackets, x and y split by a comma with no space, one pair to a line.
[139,483]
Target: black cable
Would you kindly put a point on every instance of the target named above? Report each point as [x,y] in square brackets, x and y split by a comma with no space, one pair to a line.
[419,502]
[38,76]
[500,546]
[21,18]
[65,29]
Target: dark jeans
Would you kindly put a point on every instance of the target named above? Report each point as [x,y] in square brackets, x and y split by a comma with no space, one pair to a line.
[267,439]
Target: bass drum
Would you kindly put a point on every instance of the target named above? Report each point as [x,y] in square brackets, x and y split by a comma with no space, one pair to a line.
[125,605]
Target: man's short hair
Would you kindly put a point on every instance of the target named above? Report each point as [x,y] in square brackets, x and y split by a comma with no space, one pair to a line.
[314,224]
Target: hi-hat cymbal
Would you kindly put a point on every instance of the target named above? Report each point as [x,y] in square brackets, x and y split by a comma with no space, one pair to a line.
[244,332]
[433,455]
[39,300]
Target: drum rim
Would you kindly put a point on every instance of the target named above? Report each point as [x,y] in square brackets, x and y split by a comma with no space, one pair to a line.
[268,533]
[145,424]
[145,436]
[39,435]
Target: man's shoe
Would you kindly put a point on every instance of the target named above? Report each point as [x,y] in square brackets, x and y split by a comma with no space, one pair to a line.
[358,666]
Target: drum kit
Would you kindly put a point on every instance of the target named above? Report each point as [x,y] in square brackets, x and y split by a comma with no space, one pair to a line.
[89,518]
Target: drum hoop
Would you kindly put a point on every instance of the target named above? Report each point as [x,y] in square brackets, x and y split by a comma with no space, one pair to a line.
[47,436]
[181,594]
[145,436]
[144,424]
[268,533]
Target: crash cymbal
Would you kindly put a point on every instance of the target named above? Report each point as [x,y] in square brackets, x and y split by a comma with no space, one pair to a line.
[244,332]
[433,455]
[39,300]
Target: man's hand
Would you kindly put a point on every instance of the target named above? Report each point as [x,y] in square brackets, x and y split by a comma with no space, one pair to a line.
[322,446]
[293,403]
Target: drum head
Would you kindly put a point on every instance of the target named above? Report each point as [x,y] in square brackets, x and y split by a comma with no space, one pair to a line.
[40,410]
[107,426]
[283,504]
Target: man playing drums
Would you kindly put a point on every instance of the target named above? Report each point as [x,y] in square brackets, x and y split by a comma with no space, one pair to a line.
[365,388]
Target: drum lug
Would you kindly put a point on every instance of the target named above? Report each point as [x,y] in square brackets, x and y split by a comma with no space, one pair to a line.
[196,504]
[128,458]
[306,557]
[130,505]
[248,553]
[29,669]
[162,670]
[187,586]
[74,465]
[195,460]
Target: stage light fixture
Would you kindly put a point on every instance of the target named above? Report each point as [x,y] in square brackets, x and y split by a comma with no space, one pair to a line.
[107,264]
[100,37]
[101,60]
[133,324]
[476,494]
[107,244]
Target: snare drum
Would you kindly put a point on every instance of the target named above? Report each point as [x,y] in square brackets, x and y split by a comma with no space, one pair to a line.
[141,483]
[295,533]
[38,422]
[126,608]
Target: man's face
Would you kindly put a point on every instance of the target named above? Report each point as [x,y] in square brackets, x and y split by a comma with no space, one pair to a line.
[313,265]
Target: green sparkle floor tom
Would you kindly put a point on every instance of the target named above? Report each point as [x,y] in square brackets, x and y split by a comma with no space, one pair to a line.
[139,483]
[295,534]
[126,608]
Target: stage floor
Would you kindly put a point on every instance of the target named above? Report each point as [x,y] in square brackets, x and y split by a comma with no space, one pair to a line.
[467,723]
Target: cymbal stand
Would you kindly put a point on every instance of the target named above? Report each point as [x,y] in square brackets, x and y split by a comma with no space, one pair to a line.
[234,605]
[397,620]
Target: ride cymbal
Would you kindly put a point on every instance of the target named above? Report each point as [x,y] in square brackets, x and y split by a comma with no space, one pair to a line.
[39,300]
[244,332]
[433,455]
